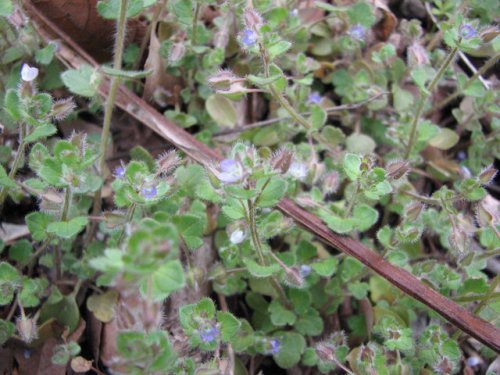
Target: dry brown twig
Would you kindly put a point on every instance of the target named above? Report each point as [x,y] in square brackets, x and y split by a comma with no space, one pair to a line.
[402,279]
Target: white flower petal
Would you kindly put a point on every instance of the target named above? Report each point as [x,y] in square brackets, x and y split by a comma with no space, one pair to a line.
[28,73]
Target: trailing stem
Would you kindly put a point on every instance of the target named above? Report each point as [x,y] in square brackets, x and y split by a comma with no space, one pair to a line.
[423,99]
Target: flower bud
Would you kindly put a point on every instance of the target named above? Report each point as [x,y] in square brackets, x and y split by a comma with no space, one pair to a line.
[62,108]
[325,351]
[176,52]
[484,215]
[282,160]
[27,328]
[293,277]
[397,169]
[168,161]
[417,55]
[487,175]
[81,365]
[331,182]
[413,211]
[252,19]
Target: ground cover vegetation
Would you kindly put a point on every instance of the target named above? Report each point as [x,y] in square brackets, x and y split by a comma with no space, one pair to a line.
[126,250]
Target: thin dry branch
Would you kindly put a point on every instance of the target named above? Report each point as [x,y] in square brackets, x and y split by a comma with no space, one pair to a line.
[409,284]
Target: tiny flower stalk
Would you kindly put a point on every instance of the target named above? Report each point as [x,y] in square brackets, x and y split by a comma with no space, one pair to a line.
[423,99]
[110,100]
[68,196]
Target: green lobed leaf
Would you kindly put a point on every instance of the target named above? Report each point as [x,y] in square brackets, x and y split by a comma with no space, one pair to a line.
[260,271]
[168,278]
[352,166]
[68,229]
[229,325]
[83,82]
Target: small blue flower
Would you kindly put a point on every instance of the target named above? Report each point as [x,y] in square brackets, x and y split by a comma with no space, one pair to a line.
[209,333]
[149,192]
[275,346]
[249,37]
[314,98]
[230,171]
[467,31]
[119,172]
[357,32]
[305,271]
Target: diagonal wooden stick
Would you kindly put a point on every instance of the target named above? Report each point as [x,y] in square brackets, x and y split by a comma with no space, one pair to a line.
[71,55]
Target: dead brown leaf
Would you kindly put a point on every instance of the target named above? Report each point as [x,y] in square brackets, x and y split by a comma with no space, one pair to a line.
[387,21]
[80,20]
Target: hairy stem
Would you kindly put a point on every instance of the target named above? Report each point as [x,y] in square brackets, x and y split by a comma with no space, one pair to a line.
[423,99]
[110,102]
[260,252]
[115,82]
[195,23]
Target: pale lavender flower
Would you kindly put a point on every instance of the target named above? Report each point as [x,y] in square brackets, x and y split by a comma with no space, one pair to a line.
[314,98]
[298,171]
[249,37]
[357,32]
[473,361]
[275,346]
[149,192]
[467,31]
[28,73]
[304,270]
[119,172]
[237,236]
[209,333]
[230,171]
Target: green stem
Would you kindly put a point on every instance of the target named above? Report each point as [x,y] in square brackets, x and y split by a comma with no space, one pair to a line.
[121,24]
[260,252]
[253,232]
[423,99]
[278,96]
[15,164]
[487,65]
[483,303]
[476,297]
[63,217]
[489,254]
[195,23]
